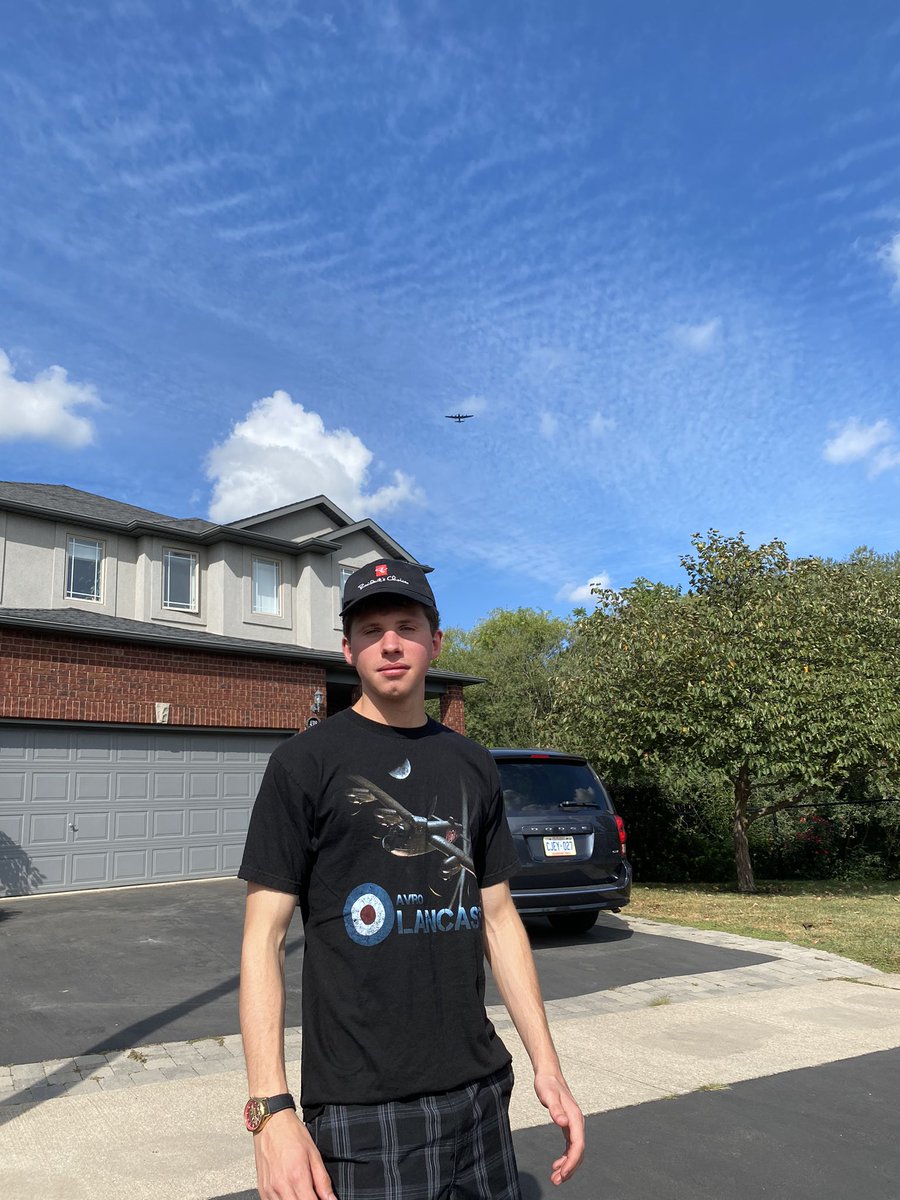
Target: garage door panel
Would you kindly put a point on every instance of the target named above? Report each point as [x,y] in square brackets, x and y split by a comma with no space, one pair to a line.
[90,868]
[169,752]
[49,829]
[211,754]
[131,825]
[91,785]
[203,860]
[168,862]
[132,747]
[50,787]
[50,870]
[12,827]
[12,748]
[129,866]
[203,785]
[169,785]
[235,820]
[93,826]
[132,785]
[146,804]
[238,785]
[203,821]
[93,747]
[168,823]
[50,745]
[231,857]
[13,786]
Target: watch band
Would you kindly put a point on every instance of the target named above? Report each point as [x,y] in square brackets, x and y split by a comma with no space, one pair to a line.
[258,1109]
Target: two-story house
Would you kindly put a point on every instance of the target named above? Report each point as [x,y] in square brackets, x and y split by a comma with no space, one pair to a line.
[148,667]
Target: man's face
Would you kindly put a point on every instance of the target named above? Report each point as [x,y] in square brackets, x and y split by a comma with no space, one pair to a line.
[392,649]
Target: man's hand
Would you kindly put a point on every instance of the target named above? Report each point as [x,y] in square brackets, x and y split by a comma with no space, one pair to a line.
[555,1096]
[288,1165]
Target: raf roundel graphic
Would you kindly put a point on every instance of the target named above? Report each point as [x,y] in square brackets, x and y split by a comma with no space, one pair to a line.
[368,914]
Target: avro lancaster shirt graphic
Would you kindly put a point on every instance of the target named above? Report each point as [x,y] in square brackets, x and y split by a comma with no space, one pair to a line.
[369,913]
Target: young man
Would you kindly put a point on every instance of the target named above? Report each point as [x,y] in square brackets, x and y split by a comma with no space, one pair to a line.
[388,829]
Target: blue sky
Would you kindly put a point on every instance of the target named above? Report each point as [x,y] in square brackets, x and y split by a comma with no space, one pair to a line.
[251,250]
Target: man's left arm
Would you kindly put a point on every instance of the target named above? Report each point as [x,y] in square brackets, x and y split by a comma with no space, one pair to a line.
[509,953]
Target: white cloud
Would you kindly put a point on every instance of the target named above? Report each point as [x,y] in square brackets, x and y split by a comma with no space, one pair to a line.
[854,441]
[549,425]
[699,338]
[889,254]
[580,593]
[886,459]
[42,409]
[281,453]
[599,425]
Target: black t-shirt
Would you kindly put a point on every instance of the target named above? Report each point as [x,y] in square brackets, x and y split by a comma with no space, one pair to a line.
[386,836]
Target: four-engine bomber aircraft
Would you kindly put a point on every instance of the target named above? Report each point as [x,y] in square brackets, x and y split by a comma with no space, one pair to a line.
[408,835]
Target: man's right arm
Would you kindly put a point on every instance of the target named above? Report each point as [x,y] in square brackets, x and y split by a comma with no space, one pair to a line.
[288,1165]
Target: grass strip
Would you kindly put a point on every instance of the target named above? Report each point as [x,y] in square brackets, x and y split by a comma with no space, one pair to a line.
[858,921]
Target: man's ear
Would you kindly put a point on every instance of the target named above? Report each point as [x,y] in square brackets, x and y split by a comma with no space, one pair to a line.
[436,643]
[348,653]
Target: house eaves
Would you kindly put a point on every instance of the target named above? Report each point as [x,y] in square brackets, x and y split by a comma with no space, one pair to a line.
[328,507]
[377,534]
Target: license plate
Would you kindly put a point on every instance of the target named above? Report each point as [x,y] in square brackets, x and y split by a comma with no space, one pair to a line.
[554,847]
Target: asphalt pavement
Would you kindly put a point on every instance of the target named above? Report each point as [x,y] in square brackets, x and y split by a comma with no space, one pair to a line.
[89,972]
[708,1065]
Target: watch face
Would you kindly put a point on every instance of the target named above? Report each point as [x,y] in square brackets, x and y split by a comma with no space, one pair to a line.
[255,1113]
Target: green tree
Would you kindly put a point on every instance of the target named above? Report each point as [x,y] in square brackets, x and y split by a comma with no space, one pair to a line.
[776,677]
[516,652]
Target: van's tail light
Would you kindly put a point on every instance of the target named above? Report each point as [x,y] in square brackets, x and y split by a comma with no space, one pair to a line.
[620,825]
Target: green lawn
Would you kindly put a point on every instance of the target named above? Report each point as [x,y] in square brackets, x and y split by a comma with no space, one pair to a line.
[859,921]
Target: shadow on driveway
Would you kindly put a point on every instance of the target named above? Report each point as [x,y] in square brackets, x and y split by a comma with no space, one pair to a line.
[92,972]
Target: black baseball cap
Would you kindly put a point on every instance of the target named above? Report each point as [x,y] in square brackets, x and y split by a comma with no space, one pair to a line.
[387,577]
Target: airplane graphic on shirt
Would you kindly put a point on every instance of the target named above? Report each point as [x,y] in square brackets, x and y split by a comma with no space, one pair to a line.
[408,836]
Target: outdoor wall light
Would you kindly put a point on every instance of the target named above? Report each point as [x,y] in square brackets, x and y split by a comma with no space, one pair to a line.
[317,700]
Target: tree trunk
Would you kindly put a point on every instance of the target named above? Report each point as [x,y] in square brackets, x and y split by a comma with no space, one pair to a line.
[745,880]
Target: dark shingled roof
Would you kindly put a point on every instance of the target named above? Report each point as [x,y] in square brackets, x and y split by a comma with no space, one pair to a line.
[70,501]
[78,623]
[57,500]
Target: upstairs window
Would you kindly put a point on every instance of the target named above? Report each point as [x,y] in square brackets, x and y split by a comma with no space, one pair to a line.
[84,559]
[266,586]
[180,580]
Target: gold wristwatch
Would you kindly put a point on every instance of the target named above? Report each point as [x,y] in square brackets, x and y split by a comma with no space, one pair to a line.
[258,1109]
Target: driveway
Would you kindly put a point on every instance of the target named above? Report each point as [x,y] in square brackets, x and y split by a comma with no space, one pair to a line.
[97,971]
[708,1065]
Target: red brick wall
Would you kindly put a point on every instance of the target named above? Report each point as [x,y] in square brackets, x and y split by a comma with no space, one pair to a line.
[453,711]
[46,676]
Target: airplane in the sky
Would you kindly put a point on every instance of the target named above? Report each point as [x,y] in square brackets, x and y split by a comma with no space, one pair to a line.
[408,835]
[459,417]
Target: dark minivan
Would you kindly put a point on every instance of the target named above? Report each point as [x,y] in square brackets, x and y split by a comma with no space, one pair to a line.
[570,840]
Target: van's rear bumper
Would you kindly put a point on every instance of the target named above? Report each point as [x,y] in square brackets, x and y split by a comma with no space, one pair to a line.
[608,895]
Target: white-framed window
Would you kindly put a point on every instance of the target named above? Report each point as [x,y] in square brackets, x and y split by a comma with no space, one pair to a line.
[265,586]
[180,570]
[344,574]
[84,569]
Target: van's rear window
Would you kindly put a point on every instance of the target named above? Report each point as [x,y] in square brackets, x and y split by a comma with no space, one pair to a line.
[535,787]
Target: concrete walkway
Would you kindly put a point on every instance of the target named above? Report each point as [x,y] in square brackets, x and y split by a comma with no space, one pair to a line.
[163,1121]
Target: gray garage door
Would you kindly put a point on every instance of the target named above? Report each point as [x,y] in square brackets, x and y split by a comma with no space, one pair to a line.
[86,808]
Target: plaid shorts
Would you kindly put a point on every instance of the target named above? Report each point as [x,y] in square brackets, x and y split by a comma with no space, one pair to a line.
[447,1146]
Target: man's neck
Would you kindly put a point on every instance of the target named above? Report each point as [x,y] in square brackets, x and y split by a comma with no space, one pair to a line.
[410,715]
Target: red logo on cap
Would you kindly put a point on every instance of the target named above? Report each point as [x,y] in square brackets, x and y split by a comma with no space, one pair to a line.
[381,570]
